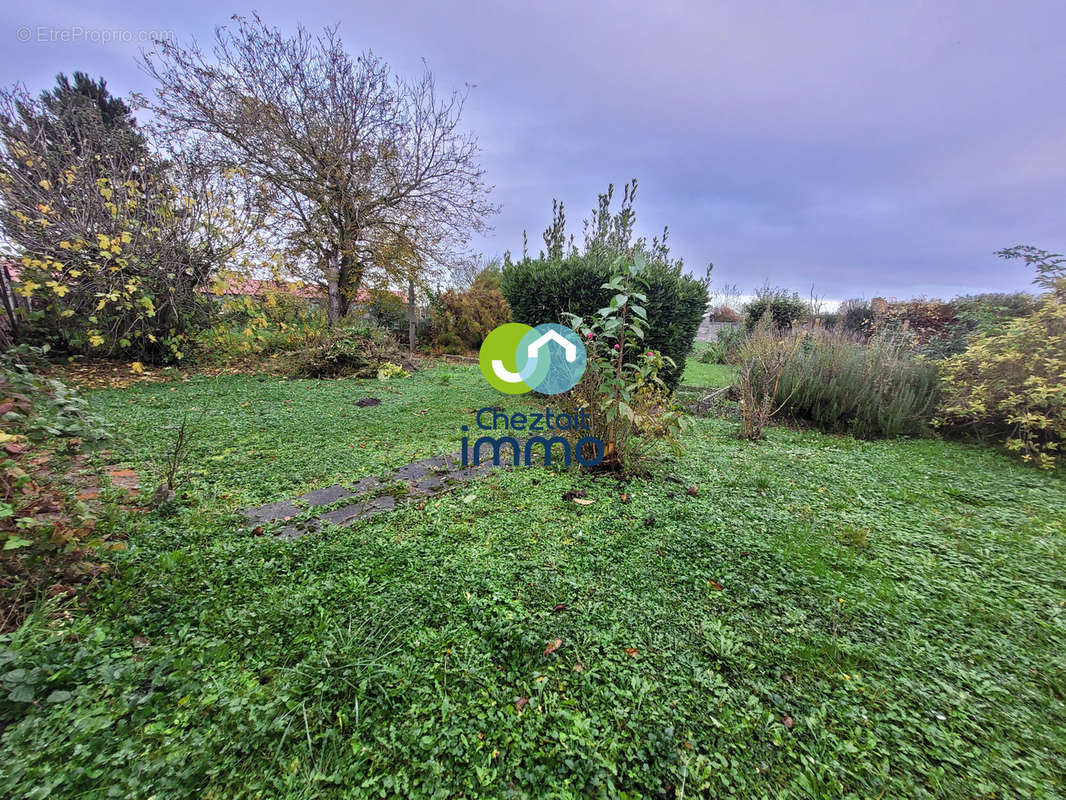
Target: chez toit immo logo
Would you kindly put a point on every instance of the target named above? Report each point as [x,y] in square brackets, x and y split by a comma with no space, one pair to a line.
[549,359]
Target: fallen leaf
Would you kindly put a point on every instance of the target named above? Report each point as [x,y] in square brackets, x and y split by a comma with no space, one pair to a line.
[560,607]
[257,530]
[579,667]
[787,721]
[574,494]
[692,491]
[631,651]
[553,645]
[582,502]
[715,585]
[624,497]
[520,702]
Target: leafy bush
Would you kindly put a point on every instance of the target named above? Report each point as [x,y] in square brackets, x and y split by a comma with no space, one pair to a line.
[855,316]
[843,384]
[723,349]
[975,315]
[42,408]
[387,310]
[724,313]
[622,387]
[45,539]
[462,320]
[1011,383]
[358,349]
[546,291]
[918,321]
[560,283]
[233,338]
[785,308]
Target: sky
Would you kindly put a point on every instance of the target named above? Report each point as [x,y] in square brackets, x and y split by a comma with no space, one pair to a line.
[845,147]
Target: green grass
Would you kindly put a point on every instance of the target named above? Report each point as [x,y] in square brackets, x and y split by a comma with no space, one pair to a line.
[899,603]
[699,374]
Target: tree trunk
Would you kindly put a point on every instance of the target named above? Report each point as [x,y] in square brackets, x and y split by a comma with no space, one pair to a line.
[411,314]
[8,291]
[333,296]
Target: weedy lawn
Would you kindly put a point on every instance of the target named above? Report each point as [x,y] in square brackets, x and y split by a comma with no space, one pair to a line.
[816,617]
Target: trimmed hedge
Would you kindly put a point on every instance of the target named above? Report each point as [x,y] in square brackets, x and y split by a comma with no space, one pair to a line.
[543,290]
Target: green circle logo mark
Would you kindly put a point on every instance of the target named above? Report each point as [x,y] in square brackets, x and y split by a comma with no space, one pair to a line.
[516,358]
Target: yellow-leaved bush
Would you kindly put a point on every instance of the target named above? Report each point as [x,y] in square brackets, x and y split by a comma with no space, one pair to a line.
[1012,384]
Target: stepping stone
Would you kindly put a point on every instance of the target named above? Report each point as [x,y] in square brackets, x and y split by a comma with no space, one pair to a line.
[273,512]
[323,497]
[426,477]
[428,485]
[340,517]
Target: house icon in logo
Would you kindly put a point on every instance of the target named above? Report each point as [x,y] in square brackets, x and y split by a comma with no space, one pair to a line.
[549,358]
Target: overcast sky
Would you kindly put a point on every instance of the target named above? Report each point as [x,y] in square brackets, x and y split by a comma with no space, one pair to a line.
[867,148]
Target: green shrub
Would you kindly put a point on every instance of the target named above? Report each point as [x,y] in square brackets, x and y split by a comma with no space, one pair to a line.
[870,389]
[1011,383]
[463,319]
[975,315]
[567,281]
[854,316]
[622,388]
[41,408]
[786,308]
[358,349]
[727,341]
[388,311]
[540,291]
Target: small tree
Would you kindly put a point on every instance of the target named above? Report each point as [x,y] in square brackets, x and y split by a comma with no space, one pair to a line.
[114,241]
[622,387]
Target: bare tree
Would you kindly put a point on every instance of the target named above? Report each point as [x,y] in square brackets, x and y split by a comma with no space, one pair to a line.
[352,153]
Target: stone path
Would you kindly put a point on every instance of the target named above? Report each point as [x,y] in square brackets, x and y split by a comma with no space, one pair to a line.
[342,506]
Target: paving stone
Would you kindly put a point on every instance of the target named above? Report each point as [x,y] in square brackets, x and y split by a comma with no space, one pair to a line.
[426,477]
[323,497]
[273,512]
[367,485]
[429,485]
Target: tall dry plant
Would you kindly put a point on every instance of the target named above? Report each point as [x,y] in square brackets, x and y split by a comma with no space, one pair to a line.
[761,361]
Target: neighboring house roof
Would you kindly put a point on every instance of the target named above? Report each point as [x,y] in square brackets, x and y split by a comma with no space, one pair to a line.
[252,287]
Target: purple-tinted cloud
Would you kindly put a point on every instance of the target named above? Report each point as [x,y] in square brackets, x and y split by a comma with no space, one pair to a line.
[865,147]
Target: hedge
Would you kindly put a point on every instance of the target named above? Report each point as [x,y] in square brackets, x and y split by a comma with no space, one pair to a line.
[544,290]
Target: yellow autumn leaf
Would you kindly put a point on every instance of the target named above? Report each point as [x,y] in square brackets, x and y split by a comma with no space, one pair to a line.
[46,184]
[137,367]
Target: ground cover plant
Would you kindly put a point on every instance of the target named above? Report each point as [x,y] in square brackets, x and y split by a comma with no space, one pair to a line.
[809,616]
